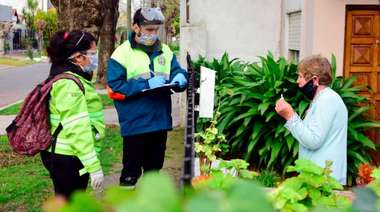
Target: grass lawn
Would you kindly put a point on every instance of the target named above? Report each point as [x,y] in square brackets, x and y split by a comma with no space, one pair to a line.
[25,183]
[11,110]
[7,61]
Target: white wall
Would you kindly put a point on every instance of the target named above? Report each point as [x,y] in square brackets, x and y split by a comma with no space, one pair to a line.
[324,28]
[243,28]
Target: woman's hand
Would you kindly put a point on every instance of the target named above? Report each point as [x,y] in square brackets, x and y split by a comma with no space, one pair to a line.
[284,109]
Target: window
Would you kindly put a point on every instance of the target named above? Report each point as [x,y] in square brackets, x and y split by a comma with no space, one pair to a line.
[294,55]
[294,41]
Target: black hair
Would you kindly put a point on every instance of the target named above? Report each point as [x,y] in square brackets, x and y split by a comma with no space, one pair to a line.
[138,18]
[63,44]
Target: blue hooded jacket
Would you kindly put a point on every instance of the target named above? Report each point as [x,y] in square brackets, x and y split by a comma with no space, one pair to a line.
[142,112]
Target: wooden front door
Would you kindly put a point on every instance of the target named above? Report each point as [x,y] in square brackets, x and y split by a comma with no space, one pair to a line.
[362,55]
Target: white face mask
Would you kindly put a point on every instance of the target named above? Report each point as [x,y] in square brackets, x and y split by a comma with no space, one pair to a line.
[93,63]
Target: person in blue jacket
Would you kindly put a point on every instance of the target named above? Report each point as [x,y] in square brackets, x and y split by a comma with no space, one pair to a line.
[322,134]
[141,63]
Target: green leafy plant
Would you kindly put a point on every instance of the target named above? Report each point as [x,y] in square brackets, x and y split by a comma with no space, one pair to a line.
[237,167]
[246,94]
[50,18]
[375,184]
[7,47]
[210,143]
[174,47]
[30,53]
[312,187]
[237,195]
[268,178]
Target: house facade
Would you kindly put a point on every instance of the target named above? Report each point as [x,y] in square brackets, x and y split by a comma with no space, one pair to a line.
[243,28]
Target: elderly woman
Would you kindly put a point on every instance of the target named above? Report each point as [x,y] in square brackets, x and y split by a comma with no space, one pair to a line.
[322,134]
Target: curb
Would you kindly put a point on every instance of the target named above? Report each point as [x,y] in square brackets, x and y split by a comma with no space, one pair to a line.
[10,105]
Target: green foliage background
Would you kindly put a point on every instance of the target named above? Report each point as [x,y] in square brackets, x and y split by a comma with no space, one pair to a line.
[246,94]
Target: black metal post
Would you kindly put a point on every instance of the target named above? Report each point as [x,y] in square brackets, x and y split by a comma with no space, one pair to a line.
[188,163]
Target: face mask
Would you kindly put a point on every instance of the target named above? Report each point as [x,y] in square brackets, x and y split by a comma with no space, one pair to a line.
[93,64]
[148,40]
[309,89]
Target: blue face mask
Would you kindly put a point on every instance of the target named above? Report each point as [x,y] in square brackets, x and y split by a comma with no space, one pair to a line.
[93,64]
[148,40]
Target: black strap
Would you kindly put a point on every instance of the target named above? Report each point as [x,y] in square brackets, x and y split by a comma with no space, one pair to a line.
[54,137]
[53,143]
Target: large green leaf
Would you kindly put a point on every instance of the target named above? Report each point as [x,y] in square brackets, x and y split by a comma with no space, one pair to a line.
[274,153]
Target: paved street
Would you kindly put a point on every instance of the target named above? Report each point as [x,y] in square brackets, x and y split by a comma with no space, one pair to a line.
[15,83]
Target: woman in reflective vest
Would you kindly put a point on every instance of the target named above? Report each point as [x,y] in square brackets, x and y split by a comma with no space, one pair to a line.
[78,112]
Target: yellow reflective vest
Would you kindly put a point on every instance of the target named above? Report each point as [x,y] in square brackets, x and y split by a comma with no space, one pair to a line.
[82,119]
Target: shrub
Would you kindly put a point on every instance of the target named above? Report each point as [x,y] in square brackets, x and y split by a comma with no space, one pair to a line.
[312,187]
[246,94]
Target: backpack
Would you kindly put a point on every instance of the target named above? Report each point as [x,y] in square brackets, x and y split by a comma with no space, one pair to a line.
[29,133]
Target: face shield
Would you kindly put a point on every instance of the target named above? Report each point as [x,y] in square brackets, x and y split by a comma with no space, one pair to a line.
[152,16]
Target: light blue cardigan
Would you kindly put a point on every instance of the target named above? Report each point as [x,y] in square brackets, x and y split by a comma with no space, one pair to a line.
[323,133]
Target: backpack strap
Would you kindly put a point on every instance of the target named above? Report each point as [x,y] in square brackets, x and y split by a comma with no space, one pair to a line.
[54,137]
[71,77]
[53,144]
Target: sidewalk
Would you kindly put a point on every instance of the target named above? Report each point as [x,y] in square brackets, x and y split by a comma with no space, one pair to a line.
[21,54]
[4,67]
[4,122]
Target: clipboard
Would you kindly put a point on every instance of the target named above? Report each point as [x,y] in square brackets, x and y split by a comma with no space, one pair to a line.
[163,87]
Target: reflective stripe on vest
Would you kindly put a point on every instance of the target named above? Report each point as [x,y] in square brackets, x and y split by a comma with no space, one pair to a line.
[137,62]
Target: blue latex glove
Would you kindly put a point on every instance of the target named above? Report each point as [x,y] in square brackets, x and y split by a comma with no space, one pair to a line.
[156,82]
[180,79]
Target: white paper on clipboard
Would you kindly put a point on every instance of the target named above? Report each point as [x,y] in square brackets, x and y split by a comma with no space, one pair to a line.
[207,93]
[162,87]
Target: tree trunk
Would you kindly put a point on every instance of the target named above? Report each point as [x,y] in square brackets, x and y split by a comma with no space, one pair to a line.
[99,17]
[129,14]
[80,14]
[40,39]
[107,36]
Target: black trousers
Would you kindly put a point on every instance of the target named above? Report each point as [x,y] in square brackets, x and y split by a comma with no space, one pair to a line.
[145,152]
[64,171]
